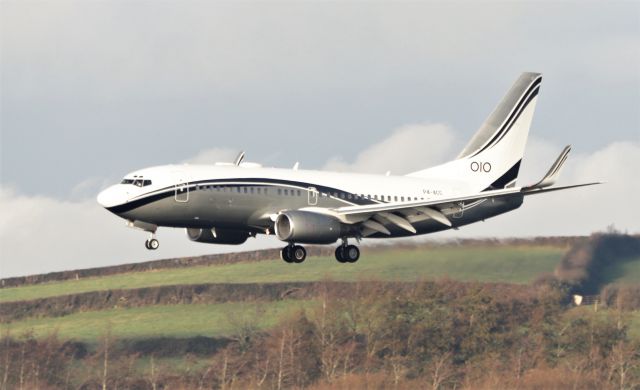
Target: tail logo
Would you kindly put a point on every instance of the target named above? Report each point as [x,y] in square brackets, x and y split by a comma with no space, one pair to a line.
[480,166]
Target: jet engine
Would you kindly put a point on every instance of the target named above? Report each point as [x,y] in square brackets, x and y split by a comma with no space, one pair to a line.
[308,228]
[217,236]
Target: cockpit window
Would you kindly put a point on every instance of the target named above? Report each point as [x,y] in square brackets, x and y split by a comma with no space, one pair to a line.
[138,181]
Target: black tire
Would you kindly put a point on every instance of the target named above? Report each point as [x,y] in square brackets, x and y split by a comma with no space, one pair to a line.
[339,254]
[298,254]
[285,254]
[351,253]
[146,245]
[154,244]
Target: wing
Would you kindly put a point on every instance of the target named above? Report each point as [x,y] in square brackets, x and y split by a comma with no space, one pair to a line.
[374,217]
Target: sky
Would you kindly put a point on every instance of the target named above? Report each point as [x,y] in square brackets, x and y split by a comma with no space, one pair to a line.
[92,90]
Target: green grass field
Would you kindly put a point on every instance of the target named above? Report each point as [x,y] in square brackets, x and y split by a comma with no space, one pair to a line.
[623,272]
[513,264]
[163,320]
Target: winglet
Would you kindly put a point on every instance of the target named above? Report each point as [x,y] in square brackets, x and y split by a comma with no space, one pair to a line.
[239,158]
[554,172]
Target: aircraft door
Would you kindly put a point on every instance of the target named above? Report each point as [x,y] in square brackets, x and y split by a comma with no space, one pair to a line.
[181,189]
[312,196]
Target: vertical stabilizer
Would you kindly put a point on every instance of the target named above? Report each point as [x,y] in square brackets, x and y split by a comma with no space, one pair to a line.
[492,157]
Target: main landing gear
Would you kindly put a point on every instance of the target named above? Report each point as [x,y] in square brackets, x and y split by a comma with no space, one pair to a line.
[293,253]
[347,253]
[152,244]
[297,254]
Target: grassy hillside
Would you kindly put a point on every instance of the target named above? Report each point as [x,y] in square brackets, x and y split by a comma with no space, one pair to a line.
[624,272]
[514,264]
[160,321]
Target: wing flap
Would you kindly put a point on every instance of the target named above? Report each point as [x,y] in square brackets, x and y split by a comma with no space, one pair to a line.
[435,209]
[433,204]
[398,221]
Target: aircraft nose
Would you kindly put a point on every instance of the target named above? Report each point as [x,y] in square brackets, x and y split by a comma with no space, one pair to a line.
[112,196]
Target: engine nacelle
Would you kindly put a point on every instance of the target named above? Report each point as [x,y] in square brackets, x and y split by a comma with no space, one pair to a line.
[308,228]
[221,236]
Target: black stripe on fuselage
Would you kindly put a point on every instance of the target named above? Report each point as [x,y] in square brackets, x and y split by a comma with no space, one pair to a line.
[508,177]
[532,92]
[238,182]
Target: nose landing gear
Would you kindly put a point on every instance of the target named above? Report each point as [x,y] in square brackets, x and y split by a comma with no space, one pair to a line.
[293,253]
[151,243]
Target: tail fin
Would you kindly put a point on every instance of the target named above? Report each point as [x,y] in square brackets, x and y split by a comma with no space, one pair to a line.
[492,158]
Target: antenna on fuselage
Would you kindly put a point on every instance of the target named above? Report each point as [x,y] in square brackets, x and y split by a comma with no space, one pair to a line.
[296,165]
[239,159]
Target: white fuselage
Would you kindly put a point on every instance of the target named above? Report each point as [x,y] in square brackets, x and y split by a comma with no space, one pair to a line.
[247,197]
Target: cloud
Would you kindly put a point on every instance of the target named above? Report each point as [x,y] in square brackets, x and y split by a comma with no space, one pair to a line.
[409,148]
[90,187]
[571,212]
[40,234]
[578,211]
[212,156]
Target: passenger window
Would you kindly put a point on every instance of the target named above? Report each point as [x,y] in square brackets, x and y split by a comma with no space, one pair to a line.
[402,198]
[299,193]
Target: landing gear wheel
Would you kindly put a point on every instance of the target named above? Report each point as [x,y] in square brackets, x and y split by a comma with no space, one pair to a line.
[340,254]
[153,244]
[298,254]
[351,253]
[146,244]
[286,254]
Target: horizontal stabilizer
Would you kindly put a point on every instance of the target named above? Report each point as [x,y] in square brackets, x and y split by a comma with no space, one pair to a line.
[533,191]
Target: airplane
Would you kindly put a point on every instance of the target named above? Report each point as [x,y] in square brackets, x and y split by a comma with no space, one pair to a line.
[226,203]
